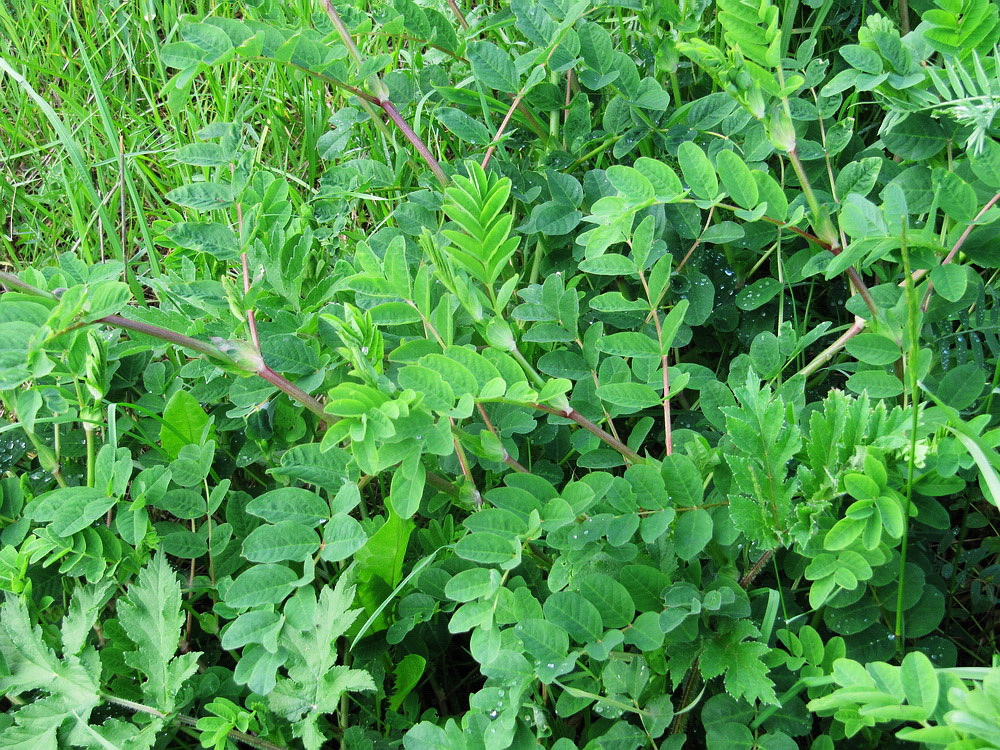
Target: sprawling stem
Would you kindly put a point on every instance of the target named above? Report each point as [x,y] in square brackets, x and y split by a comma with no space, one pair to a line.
[381,95]
[827,354]
[594,429]
[246,739]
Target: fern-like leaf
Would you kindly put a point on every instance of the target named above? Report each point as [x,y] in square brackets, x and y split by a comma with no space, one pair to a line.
[959,27]
[314,683]
[152,617]
[751,26]
[764,439]
[482,246]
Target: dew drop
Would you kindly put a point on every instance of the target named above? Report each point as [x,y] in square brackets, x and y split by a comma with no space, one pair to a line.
[550,665]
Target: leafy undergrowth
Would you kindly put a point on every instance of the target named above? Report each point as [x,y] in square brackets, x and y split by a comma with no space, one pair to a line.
[558,374]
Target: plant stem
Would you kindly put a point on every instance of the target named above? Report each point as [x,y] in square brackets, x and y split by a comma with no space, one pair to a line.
[414,139]
[297,394]
[381,95]
[827,354]
[594,429]
[246,739]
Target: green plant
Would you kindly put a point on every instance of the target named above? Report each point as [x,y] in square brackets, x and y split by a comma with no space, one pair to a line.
[517,400]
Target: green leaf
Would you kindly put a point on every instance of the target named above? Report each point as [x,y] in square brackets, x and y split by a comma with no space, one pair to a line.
[629,344]
[955,196]
[858,177]
[213,42]
[876,383]
[488,549]
[612,599]
[203,196]
[632,396]
[666,185]
[184,423]
[950,281]
[692,532]
[290,504]
[260,585]
[494,67]
[918,137]
[437,393]
[630,184]
[986,165]
[698,171]
[205,155]
[609,264]
[920,682]
[342,537]
[552,219]
[671,324]
[68,510]
[474,583]
[285,540]
[287,353]
[874,349]
[152,617]
[758,293]
[255,626]
[181,55]
[843,533]
[106,298]
[862,58]
[543,640]
[183,543]
[210,237]
[465,127]
[962,385]
[574,614]
[737,179]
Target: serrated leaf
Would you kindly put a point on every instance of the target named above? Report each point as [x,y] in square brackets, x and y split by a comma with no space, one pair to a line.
[152,617]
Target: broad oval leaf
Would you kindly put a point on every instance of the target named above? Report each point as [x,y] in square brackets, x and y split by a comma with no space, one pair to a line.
[260,585]
[698,171]
[285,540]
[290,504]
[203,196]
[610,598]
[573,613]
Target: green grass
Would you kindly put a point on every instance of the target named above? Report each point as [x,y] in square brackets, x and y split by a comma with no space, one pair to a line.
[86,135]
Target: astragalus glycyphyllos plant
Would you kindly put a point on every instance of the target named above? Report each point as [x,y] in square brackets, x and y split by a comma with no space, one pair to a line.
[575,374]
